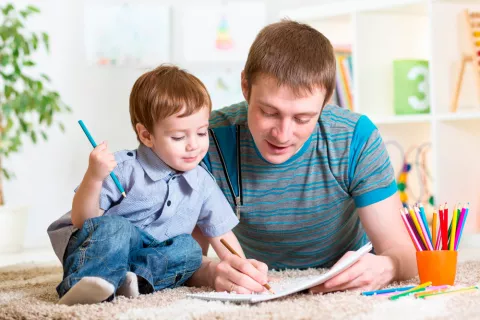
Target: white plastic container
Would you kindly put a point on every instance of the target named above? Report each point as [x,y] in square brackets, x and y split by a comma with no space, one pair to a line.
[13,223]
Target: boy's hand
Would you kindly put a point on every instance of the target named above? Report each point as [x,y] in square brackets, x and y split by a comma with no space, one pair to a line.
[101,162]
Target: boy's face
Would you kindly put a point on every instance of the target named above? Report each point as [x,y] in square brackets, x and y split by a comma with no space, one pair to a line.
[279,120]
[181,142]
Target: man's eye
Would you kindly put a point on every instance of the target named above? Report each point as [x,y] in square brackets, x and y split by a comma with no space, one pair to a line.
[177,138]
[302,121]
[266,114]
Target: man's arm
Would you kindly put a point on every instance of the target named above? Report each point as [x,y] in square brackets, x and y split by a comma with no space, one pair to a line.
[386,231]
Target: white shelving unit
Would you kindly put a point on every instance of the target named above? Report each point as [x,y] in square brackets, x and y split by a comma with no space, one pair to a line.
[380,31]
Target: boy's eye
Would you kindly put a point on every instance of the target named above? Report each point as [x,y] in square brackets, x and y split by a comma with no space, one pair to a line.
[177,138]
[202,134]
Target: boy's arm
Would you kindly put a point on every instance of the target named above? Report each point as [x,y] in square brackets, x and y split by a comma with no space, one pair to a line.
[86,202]
[221,250]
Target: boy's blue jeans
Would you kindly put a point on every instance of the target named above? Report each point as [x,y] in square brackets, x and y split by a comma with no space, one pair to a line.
[109,246]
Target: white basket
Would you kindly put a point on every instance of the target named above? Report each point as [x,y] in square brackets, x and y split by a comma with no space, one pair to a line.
[13,223]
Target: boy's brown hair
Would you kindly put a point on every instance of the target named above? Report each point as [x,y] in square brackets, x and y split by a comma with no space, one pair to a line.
[296,55]
[165,91]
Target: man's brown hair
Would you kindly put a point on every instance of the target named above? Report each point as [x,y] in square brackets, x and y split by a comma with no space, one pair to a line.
[296,55]
[165,91]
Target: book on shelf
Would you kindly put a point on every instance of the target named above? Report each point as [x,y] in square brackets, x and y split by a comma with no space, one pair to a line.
[343,94]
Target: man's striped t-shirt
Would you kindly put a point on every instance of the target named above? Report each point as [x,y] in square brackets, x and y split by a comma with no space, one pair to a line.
[302,213]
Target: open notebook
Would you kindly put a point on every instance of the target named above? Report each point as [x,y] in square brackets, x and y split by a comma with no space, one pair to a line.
[288,286]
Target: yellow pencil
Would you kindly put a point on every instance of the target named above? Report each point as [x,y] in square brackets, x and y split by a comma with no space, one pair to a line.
[413,290]
[462,290]
[454,229]
[417,225]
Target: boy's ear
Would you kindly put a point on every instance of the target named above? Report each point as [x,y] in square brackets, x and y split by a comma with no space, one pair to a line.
[244,84]
[145,137]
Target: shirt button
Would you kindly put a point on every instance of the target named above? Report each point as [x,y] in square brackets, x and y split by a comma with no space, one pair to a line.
[169,203]
[173,178]
[130,154]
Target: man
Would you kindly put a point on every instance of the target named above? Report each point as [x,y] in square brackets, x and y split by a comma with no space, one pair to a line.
[309,181]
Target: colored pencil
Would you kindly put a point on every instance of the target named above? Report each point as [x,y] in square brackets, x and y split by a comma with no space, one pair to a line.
[415,232]
[226,245]
[424,228]
[413,290]
[431,290]
[461,290]
[383,291]
[459,227]
[417,225]
[462,226]
[425,223]
[94,145]
[453,224]
[444,228]
[434,230]
[411,233]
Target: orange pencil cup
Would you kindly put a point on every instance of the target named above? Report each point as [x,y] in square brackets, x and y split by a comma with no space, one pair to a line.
[439,267]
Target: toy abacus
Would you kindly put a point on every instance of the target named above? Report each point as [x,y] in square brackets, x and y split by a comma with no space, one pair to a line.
[472,55]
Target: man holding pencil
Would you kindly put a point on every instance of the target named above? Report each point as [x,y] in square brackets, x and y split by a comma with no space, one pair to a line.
[309,181]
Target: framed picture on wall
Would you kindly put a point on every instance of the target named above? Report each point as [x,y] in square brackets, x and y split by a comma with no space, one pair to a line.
[126,33]
[221,32]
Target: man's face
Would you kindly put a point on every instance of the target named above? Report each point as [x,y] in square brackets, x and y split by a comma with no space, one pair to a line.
[279,120]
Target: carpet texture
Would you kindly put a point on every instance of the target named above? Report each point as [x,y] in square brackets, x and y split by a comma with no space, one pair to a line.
[28,292]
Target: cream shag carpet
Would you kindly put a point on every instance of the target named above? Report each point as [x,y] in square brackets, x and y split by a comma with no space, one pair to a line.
[28,292]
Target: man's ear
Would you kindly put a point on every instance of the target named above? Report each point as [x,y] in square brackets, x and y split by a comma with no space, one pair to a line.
[145,137]
[244,83]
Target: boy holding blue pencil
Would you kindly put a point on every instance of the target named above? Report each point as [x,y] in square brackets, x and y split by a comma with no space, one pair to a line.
[140,243]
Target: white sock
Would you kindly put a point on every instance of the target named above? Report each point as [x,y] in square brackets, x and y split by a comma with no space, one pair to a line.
[129,287]
[88,290]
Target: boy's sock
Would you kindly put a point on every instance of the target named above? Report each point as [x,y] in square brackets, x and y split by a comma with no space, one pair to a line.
[129,288]
[88,290]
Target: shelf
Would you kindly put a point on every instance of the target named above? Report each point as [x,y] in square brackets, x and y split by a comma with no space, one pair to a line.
[403,119]
[459,116]
[338,8]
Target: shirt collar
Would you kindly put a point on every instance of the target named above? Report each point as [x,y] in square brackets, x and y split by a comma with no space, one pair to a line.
[156,169]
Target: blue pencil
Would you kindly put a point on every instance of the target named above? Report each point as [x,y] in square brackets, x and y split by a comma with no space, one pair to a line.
[371,293]
[90,138]
[425,223]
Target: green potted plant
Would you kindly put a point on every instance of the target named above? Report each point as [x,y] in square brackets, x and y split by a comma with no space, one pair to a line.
[28,106]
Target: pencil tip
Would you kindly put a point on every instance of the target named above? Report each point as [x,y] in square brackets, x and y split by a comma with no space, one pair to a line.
[124,194]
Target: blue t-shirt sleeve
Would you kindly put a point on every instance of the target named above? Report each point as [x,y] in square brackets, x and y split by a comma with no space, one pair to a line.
[371,175]
[216,215]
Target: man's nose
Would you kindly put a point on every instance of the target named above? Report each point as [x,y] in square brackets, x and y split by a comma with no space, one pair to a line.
[283,131]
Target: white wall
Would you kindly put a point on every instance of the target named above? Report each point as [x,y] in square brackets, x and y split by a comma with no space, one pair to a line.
[47,173]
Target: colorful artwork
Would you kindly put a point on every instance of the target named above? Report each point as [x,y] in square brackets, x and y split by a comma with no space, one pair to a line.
[125,33]
[224,40]
[221,32]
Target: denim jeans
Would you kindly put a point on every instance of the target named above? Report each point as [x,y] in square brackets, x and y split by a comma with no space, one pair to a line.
[109,246]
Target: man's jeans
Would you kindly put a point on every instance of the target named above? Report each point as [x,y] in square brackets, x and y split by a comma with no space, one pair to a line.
[109,246]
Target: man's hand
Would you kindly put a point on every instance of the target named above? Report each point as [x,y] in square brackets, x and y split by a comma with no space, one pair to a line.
[371,272]
[240,275]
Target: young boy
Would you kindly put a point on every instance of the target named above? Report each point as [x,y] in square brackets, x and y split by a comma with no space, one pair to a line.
[142,242]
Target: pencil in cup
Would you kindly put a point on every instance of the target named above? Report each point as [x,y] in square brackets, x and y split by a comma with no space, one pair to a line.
[225,243]
[94,145]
